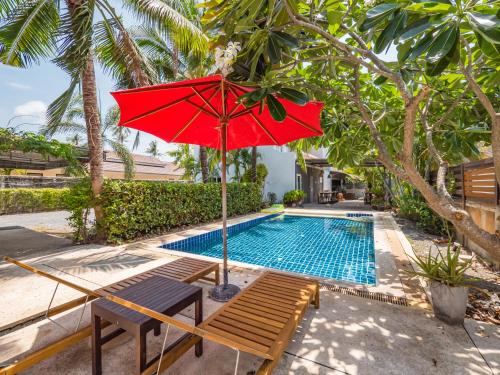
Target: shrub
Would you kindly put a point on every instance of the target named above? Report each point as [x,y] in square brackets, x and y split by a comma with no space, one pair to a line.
[293,196]
[138,208]
[272,198]
[261,174]
[22,200]
[79,201]
[416,209]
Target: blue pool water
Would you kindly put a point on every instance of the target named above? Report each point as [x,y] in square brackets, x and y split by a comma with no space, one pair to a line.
[337,248]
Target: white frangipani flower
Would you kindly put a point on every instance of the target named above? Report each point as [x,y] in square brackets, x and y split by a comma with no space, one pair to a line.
[224,58]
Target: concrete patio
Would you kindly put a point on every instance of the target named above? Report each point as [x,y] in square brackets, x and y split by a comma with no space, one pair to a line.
[347,335]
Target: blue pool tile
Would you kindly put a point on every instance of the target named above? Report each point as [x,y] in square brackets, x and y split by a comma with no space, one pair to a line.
[336,248]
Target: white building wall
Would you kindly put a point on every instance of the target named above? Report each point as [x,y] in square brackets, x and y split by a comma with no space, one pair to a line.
[281,170]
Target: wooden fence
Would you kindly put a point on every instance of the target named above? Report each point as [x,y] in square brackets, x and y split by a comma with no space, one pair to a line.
[476,181]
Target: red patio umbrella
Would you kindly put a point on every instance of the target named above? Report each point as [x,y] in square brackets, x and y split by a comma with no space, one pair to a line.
[206,112]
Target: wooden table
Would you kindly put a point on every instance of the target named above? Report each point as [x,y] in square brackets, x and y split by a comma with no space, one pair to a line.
[157,293]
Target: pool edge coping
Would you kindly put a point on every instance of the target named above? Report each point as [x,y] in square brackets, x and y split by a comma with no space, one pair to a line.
[381,248]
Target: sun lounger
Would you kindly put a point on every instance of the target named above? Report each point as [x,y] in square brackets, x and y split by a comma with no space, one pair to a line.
[265,315]
[261,320]
[183,269]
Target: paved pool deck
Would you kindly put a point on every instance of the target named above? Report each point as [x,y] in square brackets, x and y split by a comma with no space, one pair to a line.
[347,335]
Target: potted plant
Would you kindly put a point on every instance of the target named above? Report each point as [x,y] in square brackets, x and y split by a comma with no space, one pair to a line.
[448,283]
[293,198]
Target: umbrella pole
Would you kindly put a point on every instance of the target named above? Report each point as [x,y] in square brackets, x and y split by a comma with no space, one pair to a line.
[224,203]
[225,291]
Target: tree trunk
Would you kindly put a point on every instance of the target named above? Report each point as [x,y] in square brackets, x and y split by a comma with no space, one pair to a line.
[204,164]
[254,164]
[94,136]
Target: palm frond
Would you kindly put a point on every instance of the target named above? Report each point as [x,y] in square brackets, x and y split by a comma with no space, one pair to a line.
[28,32]
[137,140]
[111,118]
[59,107]
[64,127]
[159,50]
[7,7]
[119,54]
[167,15]
[75,37]
[126,156]
[74,111]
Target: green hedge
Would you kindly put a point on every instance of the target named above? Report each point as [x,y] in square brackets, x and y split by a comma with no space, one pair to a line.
[138,208]
[21,200]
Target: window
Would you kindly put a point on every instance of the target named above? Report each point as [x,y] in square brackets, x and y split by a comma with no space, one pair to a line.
[298,182]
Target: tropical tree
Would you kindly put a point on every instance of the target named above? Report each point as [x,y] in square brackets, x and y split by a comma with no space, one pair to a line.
[204,167]
[72,124]
[153,149]
[73,34]
[447,59]
[171,63]
[184,158]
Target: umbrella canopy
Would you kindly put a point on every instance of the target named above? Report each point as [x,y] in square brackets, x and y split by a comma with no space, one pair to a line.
[206,112]
[191,112]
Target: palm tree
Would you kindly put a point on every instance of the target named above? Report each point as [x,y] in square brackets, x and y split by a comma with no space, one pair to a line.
[153,149]
[69,34]
[205,171]
[71,124]
[183,158]
[170,64]
[254,164]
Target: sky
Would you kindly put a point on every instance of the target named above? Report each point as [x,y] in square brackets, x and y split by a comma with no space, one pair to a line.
[26,93]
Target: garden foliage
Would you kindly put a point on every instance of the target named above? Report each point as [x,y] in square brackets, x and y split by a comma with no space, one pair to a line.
[21,200]
[138,208]
[293,196]
[413,207]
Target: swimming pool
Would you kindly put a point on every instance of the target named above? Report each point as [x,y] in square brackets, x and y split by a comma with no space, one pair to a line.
[331,247]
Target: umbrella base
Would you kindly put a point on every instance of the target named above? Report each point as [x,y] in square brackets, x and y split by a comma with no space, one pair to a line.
[223,293]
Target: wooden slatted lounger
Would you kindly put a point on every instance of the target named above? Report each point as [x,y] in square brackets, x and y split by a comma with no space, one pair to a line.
[261,320]
[183,269]
[265,315]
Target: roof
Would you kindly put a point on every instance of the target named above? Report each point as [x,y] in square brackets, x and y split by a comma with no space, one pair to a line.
[311,159]
[32,160]
[143,164]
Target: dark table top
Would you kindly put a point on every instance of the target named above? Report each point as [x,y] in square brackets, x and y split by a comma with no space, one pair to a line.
[156,293]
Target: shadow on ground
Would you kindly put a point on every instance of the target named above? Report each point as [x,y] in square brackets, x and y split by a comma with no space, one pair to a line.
[20,243]
[347,335]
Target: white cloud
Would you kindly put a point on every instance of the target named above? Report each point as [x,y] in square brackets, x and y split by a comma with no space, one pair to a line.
[19,86]
[34,108]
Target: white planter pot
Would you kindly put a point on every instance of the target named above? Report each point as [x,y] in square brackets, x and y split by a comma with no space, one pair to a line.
[449,302]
